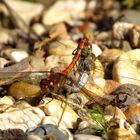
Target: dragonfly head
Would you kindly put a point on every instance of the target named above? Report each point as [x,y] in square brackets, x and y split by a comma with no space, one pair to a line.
[46,85]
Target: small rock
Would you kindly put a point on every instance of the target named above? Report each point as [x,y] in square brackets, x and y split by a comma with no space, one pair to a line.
[12,134]
[7,100]
[125,46]
[33,137]
[48,130]
[59,30]
[98,70]
[37,64]
[5,36]
[15,54]
[64,11]
[127,31]
[84,127]
[136,127]
[32,9]
[38,28]
[53,120]
[110,86]
[62,47]
[93,90]
[21,90]
[103,36]
[115,112]
[101,82]
[96,50]
[54,108]
[120,29]
[78,98]
[110,55]
[126,95]
[122,134]
[60,62]
[22,104]
[133,114]
[121,123]
[126,69]
[3,62]
[134,37]
[114,44]
[21,118]
[86,137]
[131,16]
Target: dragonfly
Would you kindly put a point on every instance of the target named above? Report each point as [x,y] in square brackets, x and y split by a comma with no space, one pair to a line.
[54,81]
[80,66]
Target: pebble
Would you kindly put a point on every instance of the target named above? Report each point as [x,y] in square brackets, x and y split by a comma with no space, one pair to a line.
[38,29]
[21,118]
[62,127]
[3,62]
[126,95]
[12,134]
[33,137]
[126,68]
[96,50]
[37,63]
[131,16]
[65,10]
[7,100]
[122,134]
[59,30]
[110,86]
[92,90]
[103,36]
[5,36]
[133,114]
[86,137]
[62,47]
[115,112]
[53,120]
[32,9]
[84,127]
[136,127]
[120,29]
[48,130]
[21,90]
[134,37]
[110,55]
[59,62]
[125,46]
[101,82]
[15,54]
[78,98]
[98,70]
[54,108]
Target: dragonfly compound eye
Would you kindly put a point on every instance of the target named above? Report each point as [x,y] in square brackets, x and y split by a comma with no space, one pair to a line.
[46,84]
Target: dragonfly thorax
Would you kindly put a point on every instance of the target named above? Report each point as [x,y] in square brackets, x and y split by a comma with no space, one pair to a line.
[53,82]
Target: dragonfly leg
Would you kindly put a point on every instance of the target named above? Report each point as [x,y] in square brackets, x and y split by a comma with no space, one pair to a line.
[64,108]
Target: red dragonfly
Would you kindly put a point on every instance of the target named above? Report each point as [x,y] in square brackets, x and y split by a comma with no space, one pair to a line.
[56,80]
